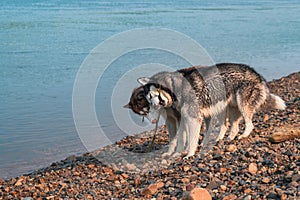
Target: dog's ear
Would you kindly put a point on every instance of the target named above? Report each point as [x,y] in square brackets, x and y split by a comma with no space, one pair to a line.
[127,106]
[143,80]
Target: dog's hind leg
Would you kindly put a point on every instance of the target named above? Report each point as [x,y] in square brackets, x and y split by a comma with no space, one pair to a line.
[172,129]
[248,125]
[235,117]
[249,99]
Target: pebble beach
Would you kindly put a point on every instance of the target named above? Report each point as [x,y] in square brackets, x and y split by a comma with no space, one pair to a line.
[251,168]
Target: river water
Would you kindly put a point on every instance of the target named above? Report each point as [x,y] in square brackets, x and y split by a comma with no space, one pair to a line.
[43,44]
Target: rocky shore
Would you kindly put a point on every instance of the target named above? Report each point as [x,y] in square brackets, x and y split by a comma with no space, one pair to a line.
[253,168]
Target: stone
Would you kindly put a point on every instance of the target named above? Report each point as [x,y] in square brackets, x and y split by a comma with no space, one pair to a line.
[231,182]
[91,166]
[296,178]
[130,167]
[112,178]
[186,168]
[107,170]
[266,118]
[150,190]
[137,181]
[194,177]
[28,198]
[185,180]
[248,190]
[160,185]
[223,187]
[19,182]
[164,162]
[248,197]
[222,170]
[273,196]
[279,191]
[230,197]
[265,180]
[252,168]
[230,148]
[293,184]
[76,173]
[189,187]
[284,197]
[124,175]
[201,165]
[214,185]
[197,194]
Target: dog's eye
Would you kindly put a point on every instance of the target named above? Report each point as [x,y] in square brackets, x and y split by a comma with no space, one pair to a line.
[140,97]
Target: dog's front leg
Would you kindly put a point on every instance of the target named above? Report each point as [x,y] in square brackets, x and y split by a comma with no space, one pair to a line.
[172,129]
[207,121]
[182,133]
[193,131]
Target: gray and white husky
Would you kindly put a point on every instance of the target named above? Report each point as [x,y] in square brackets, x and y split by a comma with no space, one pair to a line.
[189,96]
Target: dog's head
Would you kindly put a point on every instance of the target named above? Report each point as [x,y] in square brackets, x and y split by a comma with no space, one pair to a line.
[157,95]
[140,105]
[138,102]
[148,99]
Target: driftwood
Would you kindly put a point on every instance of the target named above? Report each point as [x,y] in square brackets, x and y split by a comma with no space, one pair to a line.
[285,133]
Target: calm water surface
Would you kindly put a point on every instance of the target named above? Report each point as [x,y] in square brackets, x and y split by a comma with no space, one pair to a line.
[43,43]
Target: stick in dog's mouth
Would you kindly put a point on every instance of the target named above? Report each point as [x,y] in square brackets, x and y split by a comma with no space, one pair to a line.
[151,119]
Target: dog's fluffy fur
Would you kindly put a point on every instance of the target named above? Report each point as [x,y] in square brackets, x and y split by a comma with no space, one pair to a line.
[198,93]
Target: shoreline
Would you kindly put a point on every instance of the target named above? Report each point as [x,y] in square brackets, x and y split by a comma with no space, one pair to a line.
[252,168]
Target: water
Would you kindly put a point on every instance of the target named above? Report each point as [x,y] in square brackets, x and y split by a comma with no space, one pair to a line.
[43,43]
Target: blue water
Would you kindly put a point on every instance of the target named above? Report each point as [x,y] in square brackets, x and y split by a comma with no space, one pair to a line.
[43,43]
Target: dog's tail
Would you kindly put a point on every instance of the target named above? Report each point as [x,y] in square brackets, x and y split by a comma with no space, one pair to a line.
[273,102]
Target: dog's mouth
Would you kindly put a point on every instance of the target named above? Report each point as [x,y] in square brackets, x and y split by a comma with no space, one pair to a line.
[154,121]
[152,114]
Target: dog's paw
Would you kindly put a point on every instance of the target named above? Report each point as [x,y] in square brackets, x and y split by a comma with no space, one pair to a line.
[188,156]
[241,137]
[176,154]
[231,137]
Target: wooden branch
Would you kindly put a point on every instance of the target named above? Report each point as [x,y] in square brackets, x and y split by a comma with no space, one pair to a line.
[285,133]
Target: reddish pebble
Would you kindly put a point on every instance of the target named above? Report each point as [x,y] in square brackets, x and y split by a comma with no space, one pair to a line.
[197,194]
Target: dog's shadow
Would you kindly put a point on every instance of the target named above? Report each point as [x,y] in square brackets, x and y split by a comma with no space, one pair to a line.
[145,147]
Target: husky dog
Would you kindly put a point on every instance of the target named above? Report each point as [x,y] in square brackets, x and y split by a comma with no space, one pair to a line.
[189,96]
